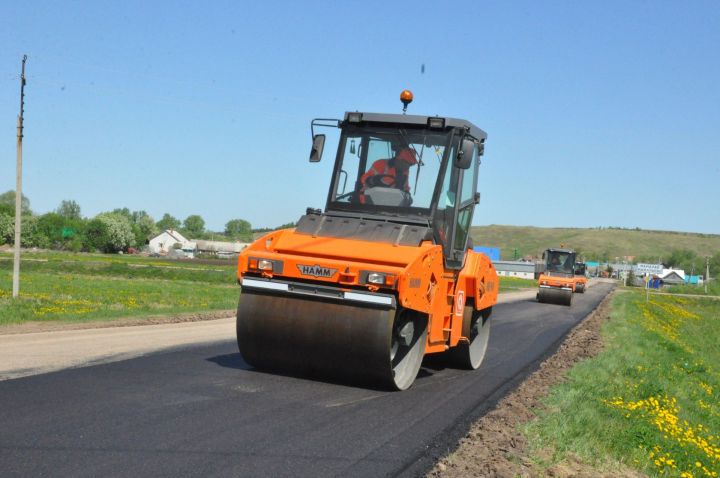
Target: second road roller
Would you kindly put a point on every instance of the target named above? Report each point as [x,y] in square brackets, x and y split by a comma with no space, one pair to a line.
[557,284]
[361,291]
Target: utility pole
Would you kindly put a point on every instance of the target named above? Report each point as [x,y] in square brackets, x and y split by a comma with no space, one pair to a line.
[707,272]
[18,185]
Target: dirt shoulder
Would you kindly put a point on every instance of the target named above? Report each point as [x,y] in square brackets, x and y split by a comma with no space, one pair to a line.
[27,354]
[494,446]
[35,327]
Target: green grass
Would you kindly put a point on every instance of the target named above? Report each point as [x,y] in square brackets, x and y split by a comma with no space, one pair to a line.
[87,287]
[712,289]
[650,399]
[610,243]
[128,269]
[509,284]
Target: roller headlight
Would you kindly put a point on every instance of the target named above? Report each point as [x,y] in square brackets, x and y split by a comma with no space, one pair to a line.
[376,278]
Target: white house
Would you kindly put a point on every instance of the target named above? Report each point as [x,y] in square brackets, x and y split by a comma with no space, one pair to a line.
[673,276]
[166,240]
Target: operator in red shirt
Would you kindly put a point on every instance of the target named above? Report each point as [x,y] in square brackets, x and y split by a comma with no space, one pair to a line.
[391,173]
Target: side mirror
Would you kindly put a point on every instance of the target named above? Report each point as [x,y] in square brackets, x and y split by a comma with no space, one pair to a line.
[465,155]
[317,148]
[543,255]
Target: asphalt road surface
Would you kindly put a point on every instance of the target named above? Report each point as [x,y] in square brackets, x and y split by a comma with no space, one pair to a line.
[201,411]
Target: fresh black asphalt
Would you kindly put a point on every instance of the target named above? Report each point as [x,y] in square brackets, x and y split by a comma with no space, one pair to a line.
[201,411]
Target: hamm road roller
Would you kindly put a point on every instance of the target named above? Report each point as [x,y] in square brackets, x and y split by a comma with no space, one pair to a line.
[385,275]
[557,284]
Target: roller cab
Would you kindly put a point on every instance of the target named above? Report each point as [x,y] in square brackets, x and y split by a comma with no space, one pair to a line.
[361,291]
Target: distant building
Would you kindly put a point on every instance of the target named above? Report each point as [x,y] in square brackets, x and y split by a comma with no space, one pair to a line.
[641,269]
[220,248]
[171,240]
[521,269]
[673,277]
[694,280]
[493,253]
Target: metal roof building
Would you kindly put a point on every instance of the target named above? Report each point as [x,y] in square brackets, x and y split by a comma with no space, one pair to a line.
[522,269]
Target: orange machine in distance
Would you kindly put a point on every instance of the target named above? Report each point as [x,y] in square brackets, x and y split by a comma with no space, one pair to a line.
[557,284]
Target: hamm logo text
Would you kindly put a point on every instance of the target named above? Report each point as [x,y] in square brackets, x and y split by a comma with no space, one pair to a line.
[316,271]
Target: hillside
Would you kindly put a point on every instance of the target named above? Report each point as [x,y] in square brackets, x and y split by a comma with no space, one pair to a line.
[593,243]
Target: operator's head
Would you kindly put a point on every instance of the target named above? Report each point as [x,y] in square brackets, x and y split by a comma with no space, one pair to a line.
[405,158]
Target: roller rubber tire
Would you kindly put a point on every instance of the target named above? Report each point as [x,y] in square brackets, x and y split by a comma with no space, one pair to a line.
[470,355]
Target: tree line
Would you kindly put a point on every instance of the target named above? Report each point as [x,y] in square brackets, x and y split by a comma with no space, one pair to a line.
[118,230]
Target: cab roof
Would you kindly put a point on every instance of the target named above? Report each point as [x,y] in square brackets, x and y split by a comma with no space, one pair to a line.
[415,120]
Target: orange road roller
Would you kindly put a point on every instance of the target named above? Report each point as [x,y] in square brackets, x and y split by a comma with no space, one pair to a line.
[386,274]
[557,284]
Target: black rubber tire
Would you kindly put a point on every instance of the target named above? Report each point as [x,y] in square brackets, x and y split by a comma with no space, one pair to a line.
[470,356]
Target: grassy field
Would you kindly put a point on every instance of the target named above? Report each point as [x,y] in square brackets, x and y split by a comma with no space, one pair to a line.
[509,284]
[88,287]
[85,287]
[650,400]
[712,289]
[610,243]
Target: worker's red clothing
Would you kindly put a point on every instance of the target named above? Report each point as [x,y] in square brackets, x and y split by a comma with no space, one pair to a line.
[382,166]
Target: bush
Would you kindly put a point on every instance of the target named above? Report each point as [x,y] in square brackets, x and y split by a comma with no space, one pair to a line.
[7,228]
[109,232]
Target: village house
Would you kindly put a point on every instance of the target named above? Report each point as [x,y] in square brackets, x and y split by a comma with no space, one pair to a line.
[170,240]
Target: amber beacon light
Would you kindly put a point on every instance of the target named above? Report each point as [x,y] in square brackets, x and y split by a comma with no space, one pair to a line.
[406,97]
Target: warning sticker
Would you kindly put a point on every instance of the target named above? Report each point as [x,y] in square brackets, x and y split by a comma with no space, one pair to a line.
[460,302]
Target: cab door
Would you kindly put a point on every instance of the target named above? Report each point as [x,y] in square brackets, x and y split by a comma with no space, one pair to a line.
[455,209]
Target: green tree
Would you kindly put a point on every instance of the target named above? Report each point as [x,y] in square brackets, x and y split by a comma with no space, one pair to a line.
[124,212]
[7,228]
[630,278]
[96,235]
[31,236]
[194,225]
[238,229]
[7,203]
[51,226]
[145,229]
[61,231]
[69,209]
[168,222]
[110,232]
[684,259]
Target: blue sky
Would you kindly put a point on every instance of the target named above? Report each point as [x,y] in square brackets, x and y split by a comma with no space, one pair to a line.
[597,113]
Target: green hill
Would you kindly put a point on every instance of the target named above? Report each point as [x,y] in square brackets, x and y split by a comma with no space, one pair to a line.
[594,244]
